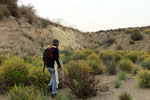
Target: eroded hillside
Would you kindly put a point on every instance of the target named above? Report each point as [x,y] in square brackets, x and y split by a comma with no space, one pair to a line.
[20,37]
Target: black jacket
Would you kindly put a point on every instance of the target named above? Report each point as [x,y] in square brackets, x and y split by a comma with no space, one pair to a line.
[55,57]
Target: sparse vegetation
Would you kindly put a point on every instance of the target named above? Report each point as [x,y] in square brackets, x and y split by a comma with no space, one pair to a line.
[136,35]
[45,23]
[112,67]
[117,83]
[132,42]
[125,96]
[122,76]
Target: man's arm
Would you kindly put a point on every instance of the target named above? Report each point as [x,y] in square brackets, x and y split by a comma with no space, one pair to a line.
[57,58]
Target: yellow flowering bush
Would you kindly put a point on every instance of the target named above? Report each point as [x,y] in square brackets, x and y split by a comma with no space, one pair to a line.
[78,69]
[134,55]
[25,93]
[37,77]
[96,66]
[146,63]
[107,56]
[81,54]
[13,71]
[143,78]
[126,65]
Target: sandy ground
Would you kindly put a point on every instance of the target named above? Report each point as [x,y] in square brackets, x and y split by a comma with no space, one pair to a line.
[128,85]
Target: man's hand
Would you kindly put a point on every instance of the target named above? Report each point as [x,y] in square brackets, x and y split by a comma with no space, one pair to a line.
[61,68]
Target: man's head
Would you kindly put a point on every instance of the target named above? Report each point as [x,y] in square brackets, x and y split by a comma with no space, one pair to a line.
[55,42]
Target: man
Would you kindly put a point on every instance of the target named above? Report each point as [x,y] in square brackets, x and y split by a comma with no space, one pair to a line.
[50,66]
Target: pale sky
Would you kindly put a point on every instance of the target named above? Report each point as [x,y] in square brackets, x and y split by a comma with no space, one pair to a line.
[94,15]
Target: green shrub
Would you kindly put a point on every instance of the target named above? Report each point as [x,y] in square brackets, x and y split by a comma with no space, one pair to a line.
[81,54]
[128,31]
[112,67]
[80,81]
[107,56]
[146,64]
[109,42]
[37,77]
[96,66]
[132,42]
[13,71]
[27,59]
[142,58]
[133,56]
[126,65]
[143,78]
[26,93]
[147,31]
[77,68]
[37,61]
[136,35]
[117,83]
[125,96]
[67,56]
[93,56]
[122,76]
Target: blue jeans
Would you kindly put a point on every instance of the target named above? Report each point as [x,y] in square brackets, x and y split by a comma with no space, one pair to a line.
[53,80]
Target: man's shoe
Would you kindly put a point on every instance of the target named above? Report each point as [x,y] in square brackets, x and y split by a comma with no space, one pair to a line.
[53,96]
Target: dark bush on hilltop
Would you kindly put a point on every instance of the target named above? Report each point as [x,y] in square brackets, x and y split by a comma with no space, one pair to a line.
[136,35]
[4,11]
[44,23]
[27,12]
[12,6]
[128,31]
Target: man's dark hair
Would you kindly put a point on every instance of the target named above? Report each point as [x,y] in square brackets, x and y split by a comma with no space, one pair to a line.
[55,42]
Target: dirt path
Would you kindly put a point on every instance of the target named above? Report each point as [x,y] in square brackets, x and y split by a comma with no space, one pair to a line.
[129,86]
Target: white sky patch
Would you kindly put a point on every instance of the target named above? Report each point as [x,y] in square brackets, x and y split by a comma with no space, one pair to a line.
[94,15]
